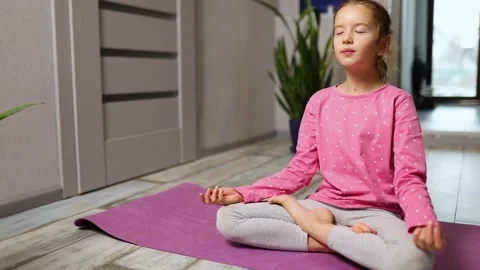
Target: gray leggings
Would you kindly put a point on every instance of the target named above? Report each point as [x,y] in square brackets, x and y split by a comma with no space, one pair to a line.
[270,226]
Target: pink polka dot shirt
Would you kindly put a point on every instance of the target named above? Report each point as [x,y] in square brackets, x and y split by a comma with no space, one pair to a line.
[369,149]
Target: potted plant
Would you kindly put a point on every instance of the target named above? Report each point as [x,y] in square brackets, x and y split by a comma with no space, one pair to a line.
[306,71]
[16,110]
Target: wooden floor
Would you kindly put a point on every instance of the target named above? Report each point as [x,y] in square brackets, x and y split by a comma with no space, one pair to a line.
[45,237]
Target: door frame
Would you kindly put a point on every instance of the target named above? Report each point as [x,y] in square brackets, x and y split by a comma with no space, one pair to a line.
[78,88]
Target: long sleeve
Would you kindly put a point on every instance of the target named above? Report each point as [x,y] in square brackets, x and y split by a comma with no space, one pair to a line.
[300,170]
[410,167]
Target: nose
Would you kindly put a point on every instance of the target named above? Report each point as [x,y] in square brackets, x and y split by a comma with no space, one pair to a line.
[347,39]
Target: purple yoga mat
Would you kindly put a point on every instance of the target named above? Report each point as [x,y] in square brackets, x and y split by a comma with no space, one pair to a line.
[177,221]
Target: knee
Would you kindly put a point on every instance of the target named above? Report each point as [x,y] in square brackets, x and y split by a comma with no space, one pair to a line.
[227,221]
[410,257]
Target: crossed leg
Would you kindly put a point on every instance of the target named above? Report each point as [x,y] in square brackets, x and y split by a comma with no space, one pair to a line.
[270,226]
[391,248]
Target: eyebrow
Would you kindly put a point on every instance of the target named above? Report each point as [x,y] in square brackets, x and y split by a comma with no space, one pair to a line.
[342,26]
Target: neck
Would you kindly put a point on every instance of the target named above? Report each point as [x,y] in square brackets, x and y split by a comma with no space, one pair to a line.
[361,82]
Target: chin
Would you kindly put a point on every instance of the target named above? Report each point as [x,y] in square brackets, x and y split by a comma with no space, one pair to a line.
[349,63]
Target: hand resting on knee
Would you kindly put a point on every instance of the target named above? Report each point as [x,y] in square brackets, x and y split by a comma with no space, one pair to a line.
[221,196]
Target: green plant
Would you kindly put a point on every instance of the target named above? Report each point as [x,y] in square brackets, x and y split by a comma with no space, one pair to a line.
[308,70]
[16,110]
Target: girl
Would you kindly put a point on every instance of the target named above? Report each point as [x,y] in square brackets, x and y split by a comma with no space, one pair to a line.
[364,135]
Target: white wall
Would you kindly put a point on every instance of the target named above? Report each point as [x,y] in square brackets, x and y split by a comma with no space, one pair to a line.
[28,140]
[291,10]
[234,54]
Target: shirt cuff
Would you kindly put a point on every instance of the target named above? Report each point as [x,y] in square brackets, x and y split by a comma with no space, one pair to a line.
[419,218]
[246,193]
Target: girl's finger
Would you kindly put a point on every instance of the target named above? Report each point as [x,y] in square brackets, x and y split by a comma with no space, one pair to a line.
[416,235]
[429,236]
[437,235]
[423,238]
[220,195]
[208,193]
[214,194]
[202,198]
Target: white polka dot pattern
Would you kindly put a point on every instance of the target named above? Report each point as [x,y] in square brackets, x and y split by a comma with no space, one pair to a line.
[369,149]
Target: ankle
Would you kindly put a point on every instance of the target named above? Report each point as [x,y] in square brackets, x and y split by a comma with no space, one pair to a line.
[315,246]
[288,199]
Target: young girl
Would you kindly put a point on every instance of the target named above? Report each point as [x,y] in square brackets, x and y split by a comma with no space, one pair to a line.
[364,135]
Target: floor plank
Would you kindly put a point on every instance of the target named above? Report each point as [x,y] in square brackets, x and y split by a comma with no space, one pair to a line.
[92,252]
[238,172]
[114,267]
[209,265]
[140,195]
[34,218]
[444,166]
[248,177]
[23,248]
[226,171]
[468,210]
[146,259]
[198,166]
[268,169]
[281,149]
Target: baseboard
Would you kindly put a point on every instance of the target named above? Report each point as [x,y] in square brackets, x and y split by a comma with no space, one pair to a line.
[283,135]
[449,138]
[229,146]
[31,202]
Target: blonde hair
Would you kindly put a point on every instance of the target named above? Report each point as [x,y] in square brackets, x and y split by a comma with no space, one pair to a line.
[384,24]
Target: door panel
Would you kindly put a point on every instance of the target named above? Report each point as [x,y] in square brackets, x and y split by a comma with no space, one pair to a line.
[122,75]
[135,117]
[138,155]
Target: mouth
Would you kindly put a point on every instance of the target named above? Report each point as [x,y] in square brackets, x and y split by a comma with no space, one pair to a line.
[347,51]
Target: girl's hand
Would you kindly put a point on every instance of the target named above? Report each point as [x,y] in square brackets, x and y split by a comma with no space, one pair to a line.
[221,196]
[429,237]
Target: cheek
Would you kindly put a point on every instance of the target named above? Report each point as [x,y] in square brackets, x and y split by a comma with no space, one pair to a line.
[337,43]
[369,45]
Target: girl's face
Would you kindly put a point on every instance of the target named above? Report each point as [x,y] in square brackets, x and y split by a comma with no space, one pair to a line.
[355,37]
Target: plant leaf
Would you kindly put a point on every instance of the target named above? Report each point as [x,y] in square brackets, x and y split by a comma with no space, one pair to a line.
[327,53]
[272,77]
[305,65]
[307,70]
[282,103]
[284,74]
[314,55]
[16,110]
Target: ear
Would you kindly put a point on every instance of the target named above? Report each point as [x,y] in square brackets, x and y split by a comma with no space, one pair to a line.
[384,45]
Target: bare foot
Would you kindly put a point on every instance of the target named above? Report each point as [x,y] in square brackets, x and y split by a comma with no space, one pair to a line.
[303,217]
[307,219]
[315,222]
[360,227]
[280,199]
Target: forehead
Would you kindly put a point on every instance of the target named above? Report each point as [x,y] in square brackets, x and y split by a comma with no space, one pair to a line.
[354,14]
